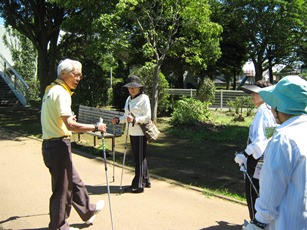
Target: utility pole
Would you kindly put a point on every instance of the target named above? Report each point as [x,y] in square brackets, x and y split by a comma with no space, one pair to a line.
[111,77]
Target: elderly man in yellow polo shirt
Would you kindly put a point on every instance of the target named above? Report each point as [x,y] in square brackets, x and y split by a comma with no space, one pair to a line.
[58,122]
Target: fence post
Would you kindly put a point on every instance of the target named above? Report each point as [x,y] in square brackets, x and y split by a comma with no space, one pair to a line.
[221,99]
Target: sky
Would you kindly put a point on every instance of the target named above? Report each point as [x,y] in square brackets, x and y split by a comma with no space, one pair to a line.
[1,21]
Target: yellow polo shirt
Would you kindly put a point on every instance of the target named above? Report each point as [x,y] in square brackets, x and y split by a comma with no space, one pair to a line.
[56,103]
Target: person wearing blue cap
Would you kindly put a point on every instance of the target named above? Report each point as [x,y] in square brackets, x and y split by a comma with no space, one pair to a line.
[282,204]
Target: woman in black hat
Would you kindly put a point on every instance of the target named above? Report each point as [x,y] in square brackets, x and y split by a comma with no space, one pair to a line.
[137,111]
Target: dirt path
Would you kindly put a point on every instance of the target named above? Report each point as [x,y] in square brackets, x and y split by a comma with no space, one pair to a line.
[25,191]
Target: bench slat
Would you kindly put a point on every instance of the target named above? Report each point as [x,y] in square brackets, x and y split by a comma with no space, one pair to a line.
[91,115]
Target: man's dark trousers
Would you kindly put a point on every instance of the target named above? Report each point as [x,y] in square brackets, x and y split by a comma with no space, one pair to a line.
[67,187]
[251,194]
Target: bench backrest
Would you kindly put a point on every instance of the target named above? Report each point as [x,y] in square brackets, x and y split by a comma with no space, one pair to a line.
[91,115]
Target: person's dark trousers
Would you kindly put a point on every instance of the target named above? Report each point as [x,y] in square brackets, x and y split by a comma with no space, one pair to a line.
[138,145]
[67,187]
[251,194]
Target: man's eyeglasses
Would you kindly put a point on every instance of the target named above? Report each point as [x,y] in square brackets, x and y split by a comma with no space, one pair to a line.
[77,74]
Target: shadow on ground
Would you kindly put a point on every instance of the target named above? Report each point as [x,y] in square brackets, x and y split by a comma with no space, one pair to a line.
[222,225]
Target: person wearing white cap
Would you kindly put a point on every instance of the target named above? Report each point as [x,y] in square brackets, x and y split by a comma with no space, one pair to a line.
[282,204]
[256,144]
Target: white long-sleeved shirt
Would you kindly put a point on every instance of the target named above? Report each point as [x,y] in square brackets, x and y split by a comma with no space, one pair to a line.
[257,139]
[283,179]
[140,108]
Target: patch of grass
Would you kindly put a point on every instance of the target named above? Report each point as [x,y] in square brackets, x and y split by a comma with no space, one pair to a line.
[23,120]
[220,128]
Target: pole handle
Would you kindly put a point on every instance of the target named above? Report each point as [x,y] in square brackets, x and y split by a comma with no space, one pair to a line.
[101,121]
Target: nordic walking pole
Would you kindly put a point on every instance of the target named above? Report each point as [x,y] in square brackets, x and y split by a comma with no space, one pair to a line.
[248,176]
[113,154]
[250,179]
[124,159]
[106,170]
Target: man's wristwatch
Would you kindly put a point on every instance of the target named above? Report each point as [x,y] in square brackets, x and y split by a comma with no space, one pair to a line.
[96,127]
[258,224]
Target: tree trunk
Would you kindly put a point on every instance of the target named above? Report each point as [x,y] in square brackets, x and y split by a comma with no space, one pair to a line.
[46,61]
[52,54]
[155,93]
[46,67]
[227,84]
[270,71]
[234,79]
[43,71]
[258,70]
[270,58]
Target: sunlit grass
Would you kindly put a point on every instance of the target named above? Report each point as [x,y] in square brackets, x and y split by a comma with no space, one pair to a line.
[223,192]
[219,127]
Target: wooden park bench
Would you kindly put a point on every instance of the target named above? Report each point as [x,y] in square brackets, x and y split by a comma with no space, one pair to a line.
[91,115]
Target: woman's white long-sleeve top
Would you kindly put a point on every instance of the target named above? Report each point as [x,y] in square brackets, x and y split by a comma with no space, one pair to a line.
[257,139]
[140,108]
[283,179]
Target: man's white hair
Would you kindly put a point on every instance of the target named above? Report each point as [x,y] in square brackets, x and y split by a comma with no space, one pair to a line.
[68,65]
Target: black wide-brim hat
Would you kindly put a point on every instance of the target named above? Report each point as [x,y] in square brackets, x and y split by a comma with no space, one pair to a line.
[133,81]
[251,88]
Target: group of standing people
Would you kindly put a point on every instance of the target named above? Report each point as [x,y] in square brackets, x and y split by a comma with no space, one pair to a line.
[58,121]
[280,202]
[276,185]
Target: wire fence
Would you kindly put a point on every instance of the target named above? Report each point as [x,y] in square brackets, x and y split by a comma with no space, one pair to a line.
[221,96]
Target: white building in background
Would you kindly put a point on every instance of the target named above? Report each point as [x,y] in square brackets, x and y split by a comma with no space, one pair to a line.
[249,70]
[4,51]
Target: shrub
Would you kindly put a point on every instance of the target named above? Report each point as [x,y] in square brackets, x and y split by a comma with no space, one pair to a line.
[206,90]
[190,111]
[33,92]
[240,104]
[304,76]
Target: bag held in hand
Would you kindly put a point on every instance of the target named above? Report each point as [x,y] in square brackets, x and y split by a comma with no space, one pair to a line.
[150,131]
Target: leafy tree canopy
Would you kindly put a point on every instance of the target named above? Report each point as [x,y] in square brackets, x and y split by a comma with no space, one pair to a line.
[273,28]
[153,30]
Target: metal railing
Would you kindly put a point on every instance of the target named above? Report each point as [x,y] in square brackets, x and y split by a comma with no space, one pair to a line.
[221,96]
[14,81]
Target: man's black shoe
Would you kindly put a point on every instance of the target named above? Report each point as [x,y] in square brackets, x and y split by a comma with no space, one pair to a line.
[134,190]
[147,184]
